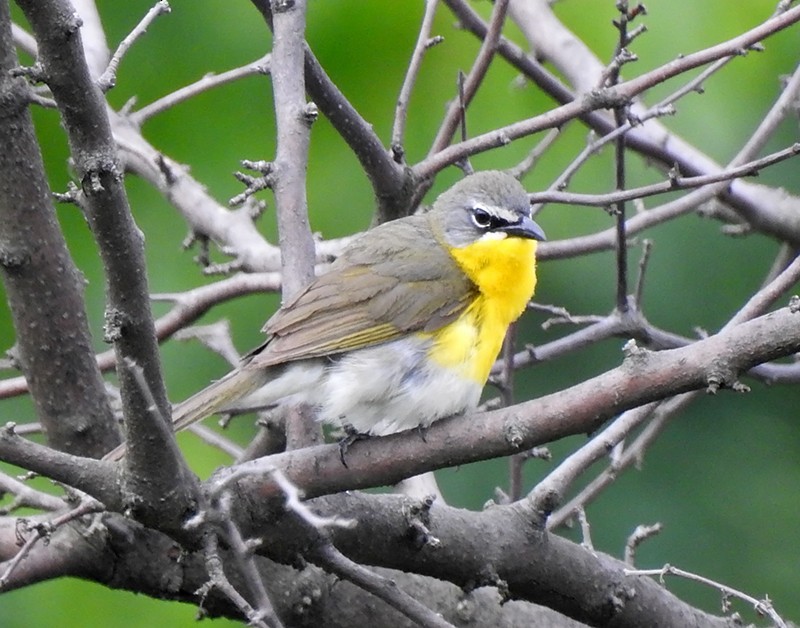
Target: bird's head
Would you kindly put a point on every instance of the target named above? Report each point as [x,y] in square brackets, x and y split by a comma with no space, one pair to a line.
[489,205]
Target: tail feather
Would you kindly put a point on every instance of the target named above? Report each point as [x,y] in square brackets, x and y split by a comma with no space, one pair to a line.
[217,396]
[214,398]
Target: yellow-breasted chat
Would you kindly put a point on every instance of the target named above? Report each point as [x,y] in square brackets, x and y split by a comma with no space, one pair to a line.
[405,326]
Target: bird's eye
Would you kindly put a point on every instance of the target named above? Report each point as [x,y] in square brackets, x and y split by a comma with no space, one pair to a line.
[482,218]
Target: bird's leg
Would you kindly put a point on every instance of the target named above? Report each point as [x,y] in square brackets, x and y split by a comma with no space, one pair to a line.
[351,436]
[422,430]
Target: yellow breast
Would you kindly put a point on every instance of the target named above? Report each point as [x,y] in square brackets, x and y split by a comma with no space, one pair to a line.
[504,271]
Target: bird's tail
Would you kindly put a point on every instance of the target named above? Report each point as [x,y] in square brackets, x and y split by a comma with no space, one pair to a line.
[214,398]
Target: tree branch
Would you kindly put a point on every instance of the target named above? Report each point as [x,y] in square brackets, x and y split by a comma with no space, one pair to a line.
[129,321]
[643,377]
[774,209]
[44,288]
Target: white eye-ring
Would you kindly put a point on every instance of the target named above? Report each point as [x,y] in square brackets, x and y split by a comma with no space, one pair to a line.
[482,218]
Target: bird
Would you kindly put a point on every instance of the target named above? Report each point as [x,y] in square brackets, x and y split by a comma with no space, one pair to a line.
[404,328]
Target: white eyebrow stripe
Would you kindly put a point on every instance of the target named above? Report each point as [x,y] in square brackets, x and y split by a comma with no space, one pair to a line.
[500,212]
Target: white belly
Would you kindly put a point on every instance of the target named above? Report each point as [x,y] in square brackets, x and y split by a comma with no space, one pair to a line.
[391,388]
[380,390]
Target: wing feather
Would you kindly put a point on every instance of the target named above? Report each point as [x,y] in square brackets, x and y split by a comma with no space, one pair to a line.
[395,279]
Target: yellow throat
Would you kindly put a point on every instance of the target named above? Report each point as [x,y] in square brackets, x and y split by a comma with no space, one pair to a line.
[504,271]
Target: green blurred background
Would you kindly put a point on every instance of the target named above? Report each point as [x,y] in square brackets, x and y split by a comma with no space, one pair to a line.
[724,477]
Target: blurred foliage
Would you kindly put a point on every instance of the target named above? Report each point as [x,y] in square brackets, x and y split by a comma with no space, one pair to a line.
[723,478]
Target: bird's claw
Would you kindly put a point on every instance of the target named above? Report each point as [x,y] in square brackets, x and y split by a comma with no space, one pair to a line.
[351,436]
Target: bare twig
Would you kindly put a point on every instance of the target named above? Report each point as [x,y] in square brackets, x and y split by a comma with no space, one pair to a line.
[472,81]
[215,439]
[218,580]
[647,247]
[254,184]
[43,530]
[208,82]
[25,496]
[639,536]
[675,182]
[424,42]
[243,551]
[505,383]
[215,336]
[768,295]
[586,530]
[611,79]
[334,561]
[109,77]
[576,463]
[533,157]
[762,607]
[24,40]
[294,500]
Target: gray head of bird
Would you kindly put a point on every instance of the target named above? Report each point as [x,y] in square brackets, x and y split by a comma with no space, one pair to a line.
[489,204]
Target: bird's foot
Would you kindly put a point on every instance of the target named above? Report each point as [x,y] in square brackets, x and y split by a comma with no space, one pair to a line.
[351,436]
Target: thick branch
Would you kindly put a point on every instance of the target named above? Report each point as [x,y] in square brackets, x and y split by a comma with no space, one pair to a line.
[125,556]
[643,377]
[129,322]
[294,119]
[44,289]
[500,546]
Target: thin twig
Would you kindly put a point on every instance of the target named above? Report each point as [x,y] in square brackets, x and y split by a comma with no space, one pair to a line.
[109,77]
[639,536]
[24,496]
[331,559]
[580,460]
[516,463]
[215,439]
[783,107]
[243,551]
[207,83]
[424,42]
[535,154]
[24,40]
[620,115]
[586,530]
[762,607]
[219,581]
[785,256]
[294,500]
[647,247]
[45,529]
[623,92]
[472,81]
[464,164]
[215,336]
[562,316]
[768,295]
[675,182]
[295,503]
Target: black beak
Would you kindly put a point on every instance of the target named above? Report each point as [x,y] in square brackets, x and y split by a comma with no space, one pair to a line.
[525,228]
